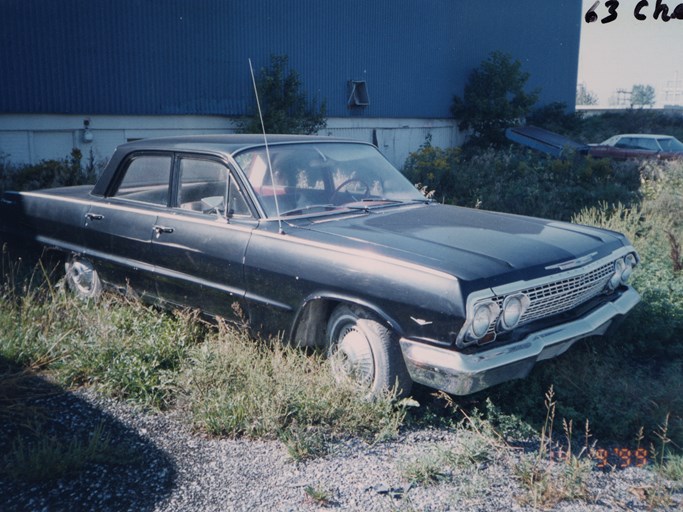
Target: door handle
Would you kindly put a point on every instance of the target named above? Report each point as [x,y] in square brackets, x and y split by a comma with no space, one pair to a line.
[94,216]
[162,229]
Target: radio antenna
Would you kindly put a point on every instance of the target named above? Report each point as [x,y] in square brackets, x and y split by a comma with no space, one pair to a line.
[265,141]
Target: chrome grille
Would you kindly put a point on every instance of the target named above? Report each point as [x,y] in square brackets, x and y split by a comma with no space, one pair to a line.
[560,296]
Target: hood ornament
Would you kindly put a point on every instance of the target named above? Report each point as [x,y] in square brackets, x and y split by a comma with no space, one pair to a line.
[573,263]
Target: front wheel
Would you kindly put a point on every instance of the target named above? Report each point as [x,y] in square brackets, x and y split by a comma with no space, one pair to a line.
[82,278]
[365,351]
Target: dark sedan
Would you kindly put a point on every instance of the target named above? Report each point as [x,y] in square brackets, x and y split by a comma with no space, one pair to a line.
[638,145]
[324,242]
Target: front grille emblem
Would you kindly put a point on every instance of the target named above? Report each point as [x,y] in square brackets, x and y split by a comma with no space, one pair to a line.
[572,263]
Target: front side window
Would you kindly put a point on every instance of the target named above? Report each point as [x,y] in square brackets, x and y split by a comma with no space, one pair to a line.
[670,144]
[207,186]
[146,179]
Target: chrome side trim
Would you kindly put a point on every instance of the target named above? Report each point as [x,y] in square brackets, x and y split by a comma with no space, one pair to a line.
[463,374]
[213,221]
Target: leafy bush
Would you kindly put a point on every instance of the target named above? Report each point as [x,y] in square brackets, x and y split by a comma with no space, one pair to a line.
[284,106]
[494,99]
[48,173]
[555,117]
[523,182]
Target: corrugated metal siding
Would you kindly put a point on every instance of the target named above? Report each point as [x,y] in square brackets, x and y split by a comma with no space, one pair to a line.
[190,56]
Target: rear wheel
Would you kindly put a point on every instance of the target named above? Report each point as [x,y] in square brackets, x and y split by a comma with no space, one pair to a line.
[82,278]
[362,349]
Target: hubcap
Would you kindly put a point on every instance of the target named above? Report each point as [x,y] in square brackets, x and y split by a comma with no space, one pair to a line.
[82,275]
[353,358]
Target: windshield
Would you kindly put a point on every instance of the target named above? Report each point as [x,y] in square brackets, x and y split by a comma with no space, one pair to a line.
[311,177]
[670,144]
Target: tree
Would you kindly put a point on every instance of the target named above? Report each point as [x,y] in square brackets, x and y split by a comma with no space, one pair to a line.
[494,99]
[284,105]
[642,96]
[584,96]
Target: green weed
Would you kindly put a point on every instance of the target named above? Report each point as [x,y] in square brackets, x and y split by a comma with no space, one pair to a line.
[429,467]
[318,495]
[546,482]
[235,386]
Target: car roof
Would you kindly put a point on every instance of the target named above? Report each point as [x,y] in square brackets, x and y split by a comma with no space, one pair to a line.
[224,143]
[643,135]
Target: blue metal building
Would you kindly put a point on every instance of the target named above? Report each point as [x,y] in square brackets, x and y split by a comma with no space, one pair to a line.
[110,62]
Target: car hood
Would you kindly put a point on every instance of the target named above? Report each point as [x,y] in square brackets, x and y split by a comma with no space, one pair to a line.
[469,244]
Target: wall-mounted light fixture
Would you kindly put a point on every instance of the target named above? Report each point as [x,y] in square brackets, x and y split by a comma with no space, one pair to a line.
[87,133]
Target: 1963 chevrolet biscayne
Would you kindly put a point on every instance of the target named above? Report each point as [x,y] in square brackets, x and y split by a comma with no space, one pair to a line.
[331,246]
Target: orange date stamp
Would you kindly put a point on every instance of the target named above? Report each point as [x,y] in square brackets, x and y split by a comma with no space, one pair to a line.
[621,458]
[616,458]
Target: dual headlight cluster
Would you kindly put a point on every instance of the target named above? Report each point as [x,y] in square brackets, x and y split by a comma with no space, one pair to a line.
[623,268]
[490,317]
[488,314]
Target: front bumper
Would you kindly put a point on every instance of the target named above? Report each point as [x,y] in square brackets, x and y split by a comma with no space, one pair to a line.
[463,374]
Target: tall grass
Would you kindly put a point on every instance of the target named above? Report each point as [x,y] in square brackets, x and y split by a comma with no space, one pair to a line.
[122,348]
[229,383]
[235,386]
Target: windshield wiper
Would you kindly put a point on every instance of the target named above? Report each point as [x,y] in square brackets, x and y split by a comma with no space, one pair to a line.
[379,200]
[383,201]
[310,208]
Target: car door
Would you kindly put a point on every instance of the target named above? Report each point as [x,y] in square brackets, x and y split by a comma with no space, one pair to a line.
[119,227]
[199,245]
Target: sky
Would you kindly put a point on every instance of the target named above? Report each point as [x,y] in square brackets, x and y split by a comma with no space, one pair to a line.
[627,51]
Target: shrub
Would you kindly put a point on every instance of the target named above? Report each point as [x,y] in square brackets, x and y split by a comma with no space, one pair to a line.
[284,106]
[494,99]
[522,182]
[555,117]
[48,173]
[434,168]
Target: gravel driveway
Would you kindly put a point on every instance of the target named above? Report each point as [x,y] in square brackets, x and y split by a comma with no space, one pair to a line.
[169,468]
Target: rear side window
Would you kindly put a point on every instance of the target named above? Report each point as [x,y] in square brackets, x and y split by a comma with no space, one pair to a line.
[146,179]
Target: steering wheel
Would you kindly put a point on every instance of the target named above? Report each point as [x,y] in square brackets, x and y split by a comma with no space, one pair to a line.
[346,182]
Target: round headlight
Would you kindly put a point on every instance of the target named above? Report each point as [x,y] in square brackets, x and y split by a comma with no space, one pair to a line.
[615,280]
[481,320]
[629,263]
[513,309]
